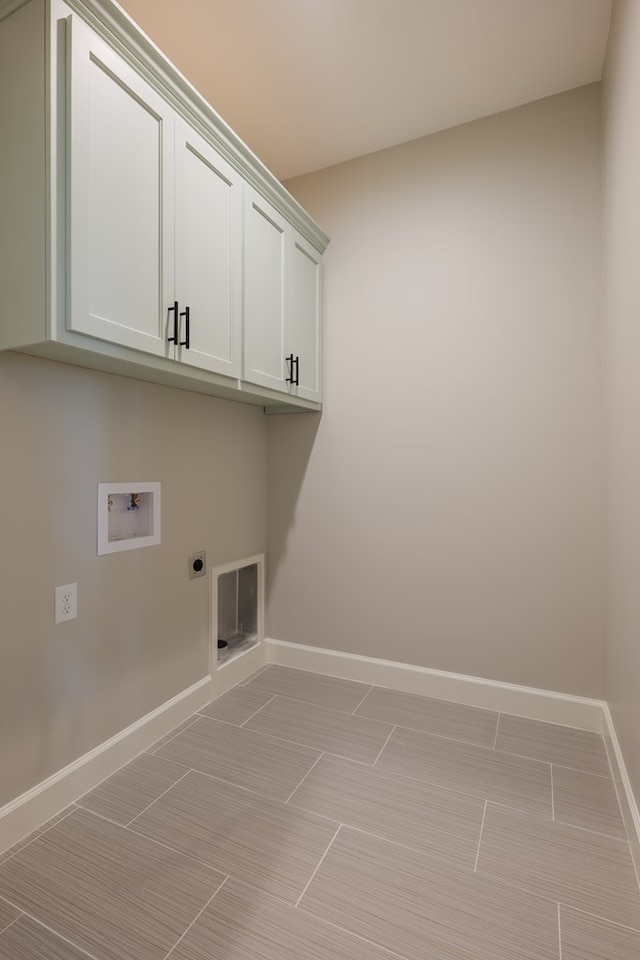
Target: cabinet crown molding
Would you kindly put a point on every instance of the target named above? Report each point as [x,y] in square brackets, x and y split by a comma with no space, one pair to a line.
[118,29]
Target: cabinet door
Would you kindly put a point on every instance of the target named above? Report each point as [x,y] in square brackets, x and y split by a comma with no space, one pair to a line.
[208,251]
[265,246]
[120,218]
[303,336]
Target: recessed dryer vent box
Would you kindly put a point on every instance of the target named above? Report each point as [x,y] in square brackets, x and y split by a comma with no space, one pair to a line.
[128,516]
[237,599]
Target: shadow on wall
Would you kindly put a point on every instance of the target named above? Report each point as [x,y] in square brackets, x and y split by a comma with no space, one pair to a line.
[291,438]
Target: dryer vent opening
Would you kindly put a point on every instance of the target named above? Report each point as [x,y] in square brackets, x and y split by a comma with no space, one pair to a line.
[238,610]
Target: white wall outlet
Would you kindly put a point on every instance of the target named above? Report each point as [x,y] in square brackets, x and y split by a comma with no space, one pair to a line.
[66,602]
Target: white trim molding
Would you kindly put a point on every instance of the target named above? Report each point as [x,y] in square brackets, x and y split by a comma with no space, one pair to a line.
[33,808]
[232,672]
[626,799]
[521,701]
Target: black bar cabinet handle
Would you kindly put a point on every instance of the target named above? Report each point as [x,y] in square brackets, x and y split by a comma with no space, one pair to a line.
[174,310]
[294,367]
[185,343]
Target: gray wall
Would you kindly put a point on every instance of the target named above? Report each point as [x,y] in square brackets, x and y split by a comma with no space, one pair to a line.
[447,508]
[141,635]
[621,96]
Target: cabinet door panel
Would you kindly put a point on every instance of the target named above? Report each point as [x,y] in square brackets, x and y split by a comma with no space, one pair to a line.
[264,294]
[208,270]
[304,327]
[121,199]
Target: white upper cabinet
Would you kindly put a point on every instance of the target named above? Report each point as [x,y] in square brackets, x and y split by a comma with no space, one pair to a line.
[265,254]
[143,236]
[155,219]
[208,249]
[282,304]
[304,328]
[120,230]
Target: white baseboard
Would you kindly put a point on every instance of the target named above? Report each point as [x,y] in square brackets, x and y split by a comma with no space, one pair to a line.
[628,805]
[530,702]
[232,672]
[29,811]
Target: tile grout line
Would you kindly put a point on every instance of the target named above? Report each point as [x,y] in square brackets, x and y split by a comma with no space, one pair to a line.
[585,773]
[560,823]
[559,934]
[188,856]
[319,864]
[10,924]
[37,836]
[441,859]
[495,738]
[55,933]
[484,813]
[252,676]
[304,778]
[179,940]
[296,743]
[383,746]
[431,783]
[404,726]
[185,774]
[255,712]
[597,916]
[350,933]
[165,740]
[273,799]
[358,705]
[144,836]
[522,888]
[203,716]
[321,706]
[229,783]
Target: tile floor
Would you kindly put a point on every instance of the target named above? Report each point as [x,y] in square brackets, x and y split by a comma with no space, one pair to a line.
[301,816]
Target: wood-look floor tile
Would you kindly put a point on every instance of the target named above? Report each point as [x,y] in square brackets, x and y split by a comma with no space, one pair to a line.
[262,842]
[7,914]
[114,894]
[236,706]
[128,791]
[409,812]
[584,937]
[240,924]
[439,717]
[413,905]
[584,870]
[566,746]
[476,771]
[28,940]
[313,687]
[332,731]
[271,767]
[587,801]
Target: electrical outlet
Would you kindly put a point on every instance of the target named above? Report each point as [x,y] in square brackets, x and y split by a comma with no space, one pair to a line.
[66,602]
[197,565]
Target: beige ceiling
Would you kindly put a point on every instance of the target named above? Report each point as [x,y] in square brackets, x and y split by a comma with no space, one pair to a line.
[310,83]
